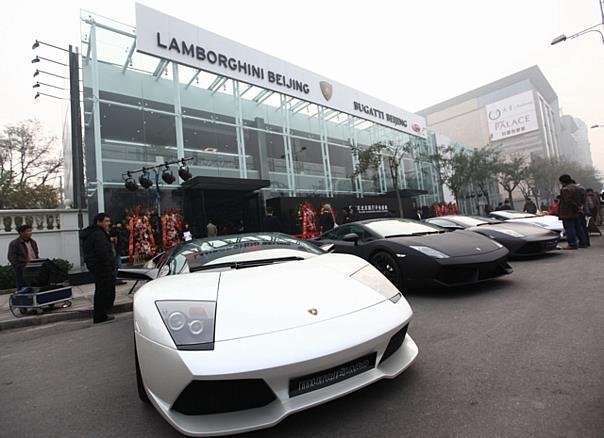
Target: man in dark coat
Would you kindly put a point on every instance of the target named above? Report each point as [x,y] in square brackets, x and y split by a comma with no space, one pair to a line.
[100,261]
[271,224]
[568,211]
[20,251]
[529,206]
[325,221]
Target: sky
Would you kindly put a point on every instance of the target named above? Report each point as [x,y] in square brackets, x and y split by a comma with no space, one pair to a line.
[412,53]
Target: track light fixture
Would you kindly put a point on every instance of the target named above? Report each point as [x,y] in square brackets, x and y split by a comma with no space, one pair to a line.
[184,172]
[130,183]
[144,179]
[167,175]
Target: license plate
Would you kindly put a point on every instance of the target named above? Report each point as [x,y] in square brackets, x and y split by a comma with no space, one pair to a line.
[312,382]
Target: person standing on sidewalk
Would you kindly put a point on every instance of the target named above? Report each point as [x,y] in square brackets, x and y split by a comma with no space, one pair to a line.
[568,210]
[100,261]
[21,251]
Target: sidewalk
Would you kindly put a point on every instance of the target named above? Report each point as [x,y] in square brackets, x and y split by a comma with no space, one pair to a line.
[81,307]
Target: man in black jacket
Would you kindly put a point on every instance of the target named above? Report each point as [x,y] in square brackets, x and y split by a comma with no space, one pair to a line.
[271,223]
[20,251]
[99,258]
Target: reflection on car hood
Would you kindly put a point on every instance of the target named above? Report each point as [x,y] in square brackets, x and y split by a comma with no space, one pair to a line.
[454,244]
[525,228]
[266,299]
[548,221]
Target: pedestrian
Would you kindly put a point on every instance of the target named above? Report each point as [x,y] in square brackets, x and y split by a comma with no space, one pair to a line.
[22,250]
[568,211]
[100,261]
[553,207]
[506,205]
[499,206]
[487,209]
[211,229]
[418,214]
[271,223]
[592,211]
[529,206]
[583,230]
[325,221]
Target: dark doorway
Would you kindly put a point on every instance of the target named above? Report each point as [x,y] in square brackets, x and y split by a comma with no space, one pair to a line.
[230,203]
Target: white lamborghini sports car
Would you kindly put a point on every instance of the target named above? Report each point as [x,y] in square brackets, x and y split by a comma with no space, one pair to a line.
[234,333]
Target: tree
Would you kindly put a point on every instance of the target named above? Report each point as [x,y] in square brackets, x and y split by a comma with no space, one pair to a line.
[453,164]
[392,154]
[512,172]
[485,164]
[27,167]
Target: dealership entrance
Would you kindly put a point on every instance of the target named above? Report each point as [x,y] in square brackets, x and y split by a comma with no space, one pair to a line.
[227,202]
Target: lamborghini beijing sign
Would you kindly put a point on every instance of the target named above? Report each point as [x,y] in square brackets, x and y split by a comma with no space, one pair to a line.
[169,38]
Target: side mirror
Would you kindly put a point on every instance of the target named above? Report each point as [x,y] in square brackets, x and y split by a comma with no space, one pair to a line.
[138,274]
[351,237]
[328,247]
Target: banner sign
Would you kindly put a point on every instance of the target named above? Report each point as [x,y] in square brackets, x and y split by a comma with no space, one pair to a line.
[512,116]
[161,35]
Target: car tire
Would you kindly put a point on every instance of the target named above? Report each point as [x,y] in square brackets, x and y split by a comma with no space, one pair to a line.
[388,266]
[142,394]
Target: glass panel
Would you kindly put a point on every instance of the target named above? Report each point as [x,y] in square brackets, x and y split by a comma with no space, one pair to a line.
[340,158]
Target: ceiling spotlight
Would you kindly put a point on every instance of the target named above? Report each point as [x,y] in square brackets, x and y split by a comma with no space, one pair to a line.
[36,59]
[130,183]
[184,172]
[168,176]
[144,179]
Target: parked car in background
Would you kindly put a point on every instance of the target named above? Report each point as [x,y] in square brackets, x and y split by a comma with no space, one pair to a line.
[521,239]
[411,254]
[549,221]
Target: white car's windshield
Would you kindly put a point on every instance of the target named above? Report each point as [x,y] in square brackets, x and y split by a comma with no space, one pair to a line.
[192,255]
[510,214]
[399,227]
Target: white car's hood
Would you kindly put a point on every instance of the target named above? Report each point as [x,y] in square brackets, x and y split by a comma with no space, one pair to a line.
[265,299]
[549,221]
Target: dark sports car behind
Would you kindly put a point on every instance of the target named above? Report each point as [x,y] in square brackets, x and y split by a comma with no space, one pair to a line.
[412,254]
[522,239]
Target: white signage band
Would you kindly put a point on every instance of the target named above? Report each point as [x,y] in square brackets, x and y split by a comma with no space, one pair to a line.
[161,35]
[512,116]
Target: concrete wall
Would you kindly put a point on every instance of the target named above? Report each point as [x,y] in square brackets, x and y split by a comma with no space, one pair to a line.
[55,231]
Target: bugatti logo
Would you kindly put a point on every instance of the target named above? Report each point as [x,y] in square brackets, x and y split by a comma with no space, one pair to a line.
[416,127]
[326,89]
[313,312]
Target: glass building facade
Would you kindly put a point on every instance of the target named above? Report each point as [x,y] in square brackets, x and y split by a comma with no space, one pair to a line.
[140,111]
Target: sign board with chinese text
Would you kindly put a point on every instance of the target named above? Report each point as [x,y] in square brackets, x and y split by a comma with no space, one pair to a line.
[512,116]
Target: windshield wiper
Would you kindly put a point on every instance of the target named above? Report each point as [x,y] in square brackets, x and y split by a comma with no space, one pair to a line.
[245,264]
[418,233]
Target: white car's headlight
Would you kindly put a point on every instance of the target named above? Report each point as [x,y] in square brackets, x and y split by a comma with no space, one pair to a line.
[190,323]
[511,233]
[431,252]
[371,277]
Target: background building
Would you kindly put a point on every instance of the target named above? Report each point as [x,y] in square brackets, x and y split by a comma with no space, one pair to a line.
[280,142]
[574,140]
[519,112]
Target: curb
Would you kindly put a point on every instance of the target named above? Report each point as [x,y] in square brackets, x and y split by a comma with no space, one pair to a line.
[28,321]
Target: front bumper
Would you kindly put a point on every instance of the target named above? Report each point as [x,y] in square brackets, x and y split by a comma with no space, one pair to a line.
[275,358]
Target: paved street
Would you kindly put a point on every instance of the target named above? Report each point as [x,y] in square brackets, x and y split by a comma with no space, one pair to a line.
[522,356]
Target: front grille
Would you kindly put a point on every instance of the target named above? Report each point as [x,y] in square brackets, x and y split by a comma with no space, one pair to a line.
[457,275]
[205,397]
[395,343]
[538,247]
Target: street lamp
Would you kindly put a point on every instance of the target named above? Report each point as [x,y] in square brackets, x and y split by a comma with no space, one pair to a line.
[38,42]
[38,84]
[601,125]
[39,93]
[562,38]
